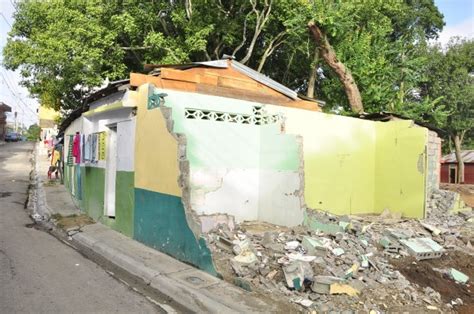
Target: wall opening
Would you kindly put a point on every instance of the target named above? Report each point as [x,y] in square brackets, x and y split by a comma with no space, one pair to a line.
[452,174]
[111,171]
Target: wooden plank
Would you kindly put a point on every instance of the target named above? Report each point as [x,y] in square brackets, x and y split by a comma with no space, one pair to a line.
[254,96]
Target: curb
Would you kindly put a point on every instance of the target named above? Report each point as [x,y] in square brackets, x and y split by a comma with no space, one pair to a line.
[203,293]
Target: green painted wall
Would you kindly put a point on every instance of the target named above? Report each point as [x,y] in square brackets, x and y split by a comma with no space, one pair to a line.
[160,223]
[93,191]
[230,145]
[124,202]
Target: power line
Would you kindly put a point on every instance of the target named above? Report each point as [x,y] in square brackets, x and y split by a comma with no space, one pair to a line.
[5,19]
[18,97]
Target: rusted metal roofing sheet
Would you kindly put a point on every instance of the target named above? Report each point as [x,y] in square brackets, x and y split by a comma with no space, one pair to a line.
[467,157]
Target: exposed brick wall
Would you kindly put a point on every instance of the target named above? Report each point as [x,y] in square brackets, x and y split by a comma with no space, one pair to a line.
[433,160]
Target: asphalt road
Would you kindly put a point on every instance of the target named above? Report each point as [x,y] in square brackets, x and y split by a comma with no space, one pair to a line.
[38,273]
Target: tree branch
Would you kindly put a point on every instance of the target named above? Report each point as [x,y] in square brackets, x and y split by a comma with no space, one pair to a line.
[345,76]
[262,18]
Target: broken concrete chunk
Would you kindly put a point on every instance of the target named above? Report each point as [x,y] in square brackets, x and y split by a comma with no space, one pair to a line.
[390,244]
[321,284]
[435,231]
[304,302]
[246,257]
[296,273]
[458,276]
[338,288]
[313,246]
[338,251]
[292,245]
[241,246]
[423,248]
[352,271]
[300,257]
[398,233]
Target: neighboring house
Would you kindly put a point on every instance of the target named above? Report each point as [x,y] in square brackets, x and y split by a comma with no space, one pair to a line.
[47,122]
[166,157]
[449,167]
[3,119]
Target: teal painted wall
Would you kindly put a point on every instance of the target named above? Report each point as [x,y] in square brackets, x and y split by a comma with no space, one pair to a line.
[160,222]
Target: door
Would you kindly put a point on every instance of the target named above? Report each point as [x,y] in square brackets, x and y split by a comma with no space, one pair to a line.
[452,174]
[110,171]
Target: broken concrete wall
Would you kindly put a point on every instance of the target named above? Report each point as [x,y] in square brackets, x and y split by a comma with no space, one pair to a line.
[240,162]
[339,157]
[355,166]
[433,162]
[162,219]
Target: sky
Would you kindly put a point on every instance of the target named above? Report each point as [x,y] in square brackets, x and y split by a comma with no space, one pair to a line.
[458,15]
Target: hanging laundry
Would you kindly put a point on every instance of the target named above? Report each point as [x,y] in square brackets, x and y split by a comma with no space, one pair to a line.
[88,148]
[94,148]
[76,149]
[102,146]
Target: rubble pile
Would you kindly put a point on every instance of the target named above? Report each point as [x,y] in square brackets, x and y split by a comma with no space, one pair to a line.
[440,202]
[332,262]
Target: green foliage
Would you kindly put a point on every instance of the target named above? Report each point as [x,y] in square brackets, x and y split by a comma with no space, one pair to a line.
[33,132]
[449,76]
[65,48]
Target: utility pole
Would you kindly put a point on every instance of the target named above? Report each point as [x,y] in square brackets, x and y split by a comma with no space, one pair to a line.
[16,122]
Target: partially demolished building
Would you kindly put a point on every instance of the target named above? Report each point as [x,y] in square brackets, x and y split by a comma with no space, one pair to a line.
[168,156]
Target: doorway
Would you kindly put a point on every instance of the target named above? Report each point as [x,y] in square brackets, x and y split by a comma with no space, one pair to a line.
[452,174]
[110,171]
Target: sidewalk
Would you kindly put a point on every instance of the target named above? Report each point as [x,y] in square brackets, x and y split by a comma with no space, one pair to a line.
[191,288]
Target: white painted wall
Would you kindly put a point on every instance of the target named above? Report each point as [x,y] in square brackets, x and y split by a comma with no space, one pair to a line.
[220,191]
[126,145]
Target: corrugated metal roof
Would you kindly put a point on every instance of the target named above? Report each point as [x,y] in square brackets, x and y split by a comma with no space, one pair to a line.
[265,80]
[467,157]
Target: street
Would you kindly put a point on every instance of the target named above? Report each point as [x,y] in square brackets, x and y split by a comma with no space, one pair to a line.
[40,274]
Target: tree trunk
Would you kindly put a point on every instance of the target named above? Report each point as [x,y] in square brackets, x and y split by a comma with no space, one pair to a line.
[313,74]
[457,149]
[329,55]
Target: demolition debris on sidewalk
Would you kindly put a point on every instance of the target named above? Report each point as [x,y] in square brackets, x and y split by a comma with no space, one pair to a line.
[335,261]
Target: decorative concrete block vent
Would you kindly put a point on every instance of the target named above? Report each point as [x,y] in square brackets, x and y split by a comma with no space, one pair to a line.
[423,248]
[258,116]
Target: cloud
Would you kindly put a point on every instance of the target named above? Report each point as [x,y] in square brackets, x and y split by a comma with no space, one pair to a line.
[463,29]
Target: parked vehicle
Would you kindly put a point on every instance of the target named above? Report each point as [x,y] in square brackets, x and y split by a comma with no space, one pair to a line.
[12,137]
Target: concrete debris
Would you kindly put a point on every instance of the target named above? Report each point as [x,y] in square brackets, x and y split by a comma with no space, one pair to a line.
[423,248]
[338,288]
[458,276]
[246,257]
[338,251]
[330,260]
[292,245]
[296,273]
[304,302]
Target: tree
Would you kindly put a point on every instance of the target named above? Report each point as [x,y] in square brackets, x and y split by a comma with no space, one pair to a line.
[33,132]
[66,48]
[450,78]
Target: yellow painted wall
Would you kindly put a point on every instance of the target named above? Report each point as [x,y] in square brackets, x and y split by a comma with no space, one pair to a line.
[339,154]
[156,150]
[400,168]
[355,166]
[47,113]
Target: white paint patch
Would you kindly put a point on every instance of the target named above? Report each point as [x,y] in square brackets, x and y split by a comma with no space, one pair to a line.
[218,191]
[280,202]
[247,194]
